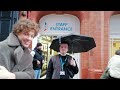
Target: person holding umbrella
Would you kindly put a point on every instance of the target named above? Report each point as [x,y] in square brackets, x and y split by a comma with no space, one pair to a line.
[62,66]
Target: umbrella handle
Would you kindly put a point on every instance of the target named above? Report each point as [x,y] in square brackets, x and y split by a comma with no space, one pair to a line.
[72,47]
[60,40]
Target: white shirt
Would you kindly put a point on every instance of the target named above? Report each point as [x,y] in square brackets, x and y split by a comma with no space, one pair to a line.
[114,66]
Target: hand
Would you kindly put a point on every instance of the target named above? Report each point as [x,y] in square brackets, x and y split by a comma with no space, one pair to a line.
[5,74]
[38,62]
[43,61]
[72,62]
[32,53]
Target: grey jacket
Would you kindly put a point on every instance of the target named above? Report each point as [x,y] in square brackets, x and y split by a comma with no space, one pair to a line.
[54,67]
[15,59]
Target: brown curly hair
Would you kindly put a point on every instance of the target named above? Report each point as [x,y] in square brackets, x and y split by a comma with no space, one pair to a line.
[26,25]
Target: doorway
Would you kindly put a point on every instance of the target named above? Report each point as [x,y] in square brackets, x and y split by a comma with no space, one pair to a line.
[55,25]
[114,34]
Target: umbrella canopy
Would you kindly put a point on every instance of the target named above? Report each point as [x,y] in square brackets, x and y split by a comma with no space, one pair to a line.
[77,43]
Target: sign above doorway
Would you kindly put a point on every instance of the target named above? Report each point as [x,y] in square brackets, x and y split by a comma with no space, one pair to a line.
[54,24]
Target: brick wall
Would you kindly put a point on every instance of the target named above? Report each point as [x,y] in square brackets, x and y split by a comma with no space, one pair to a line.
[96,25]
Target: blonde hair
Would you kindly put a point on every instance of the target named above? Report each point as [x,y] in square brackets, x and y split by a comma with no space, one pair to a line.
[26,25]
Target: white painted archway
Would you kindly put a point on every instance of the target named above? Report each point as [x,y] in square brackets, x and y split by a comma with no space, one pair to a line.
[59,25]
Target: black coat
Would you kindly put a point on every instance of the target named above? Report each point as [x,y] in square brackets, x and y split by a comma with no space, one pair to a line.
[38,56]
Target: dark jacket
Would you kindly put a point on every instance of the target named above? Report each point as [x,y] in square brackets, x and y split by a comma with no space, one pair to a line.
[38,56]
[106,74]
[16,59]
[54,68]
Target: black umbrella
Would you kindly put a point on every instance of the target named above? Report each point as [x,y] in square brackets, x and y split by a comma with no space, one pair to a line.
[77,43]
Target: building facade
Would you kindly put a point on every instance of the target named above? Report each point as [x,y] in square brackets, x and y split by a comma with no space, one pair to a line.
[90,23]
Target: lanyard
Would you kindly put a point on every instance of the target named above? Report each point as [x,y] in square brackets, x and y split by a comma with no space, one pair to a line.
[62,63]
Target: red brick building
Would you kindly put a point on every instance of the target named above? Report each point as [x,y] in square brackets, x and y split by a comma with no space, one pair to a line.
[94,24]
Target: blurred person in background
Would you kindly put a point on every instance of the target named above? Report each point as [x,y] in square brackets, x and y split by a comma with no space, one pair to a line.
[38,60]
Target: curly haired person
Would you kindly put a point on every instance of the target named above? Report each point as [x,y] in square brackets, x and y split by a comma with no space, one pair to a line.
[15,57]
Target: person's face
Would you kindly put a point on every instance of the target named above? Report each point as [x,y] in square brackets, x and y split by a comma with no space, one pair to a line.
[26,38]
[63,48]
[40,47]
